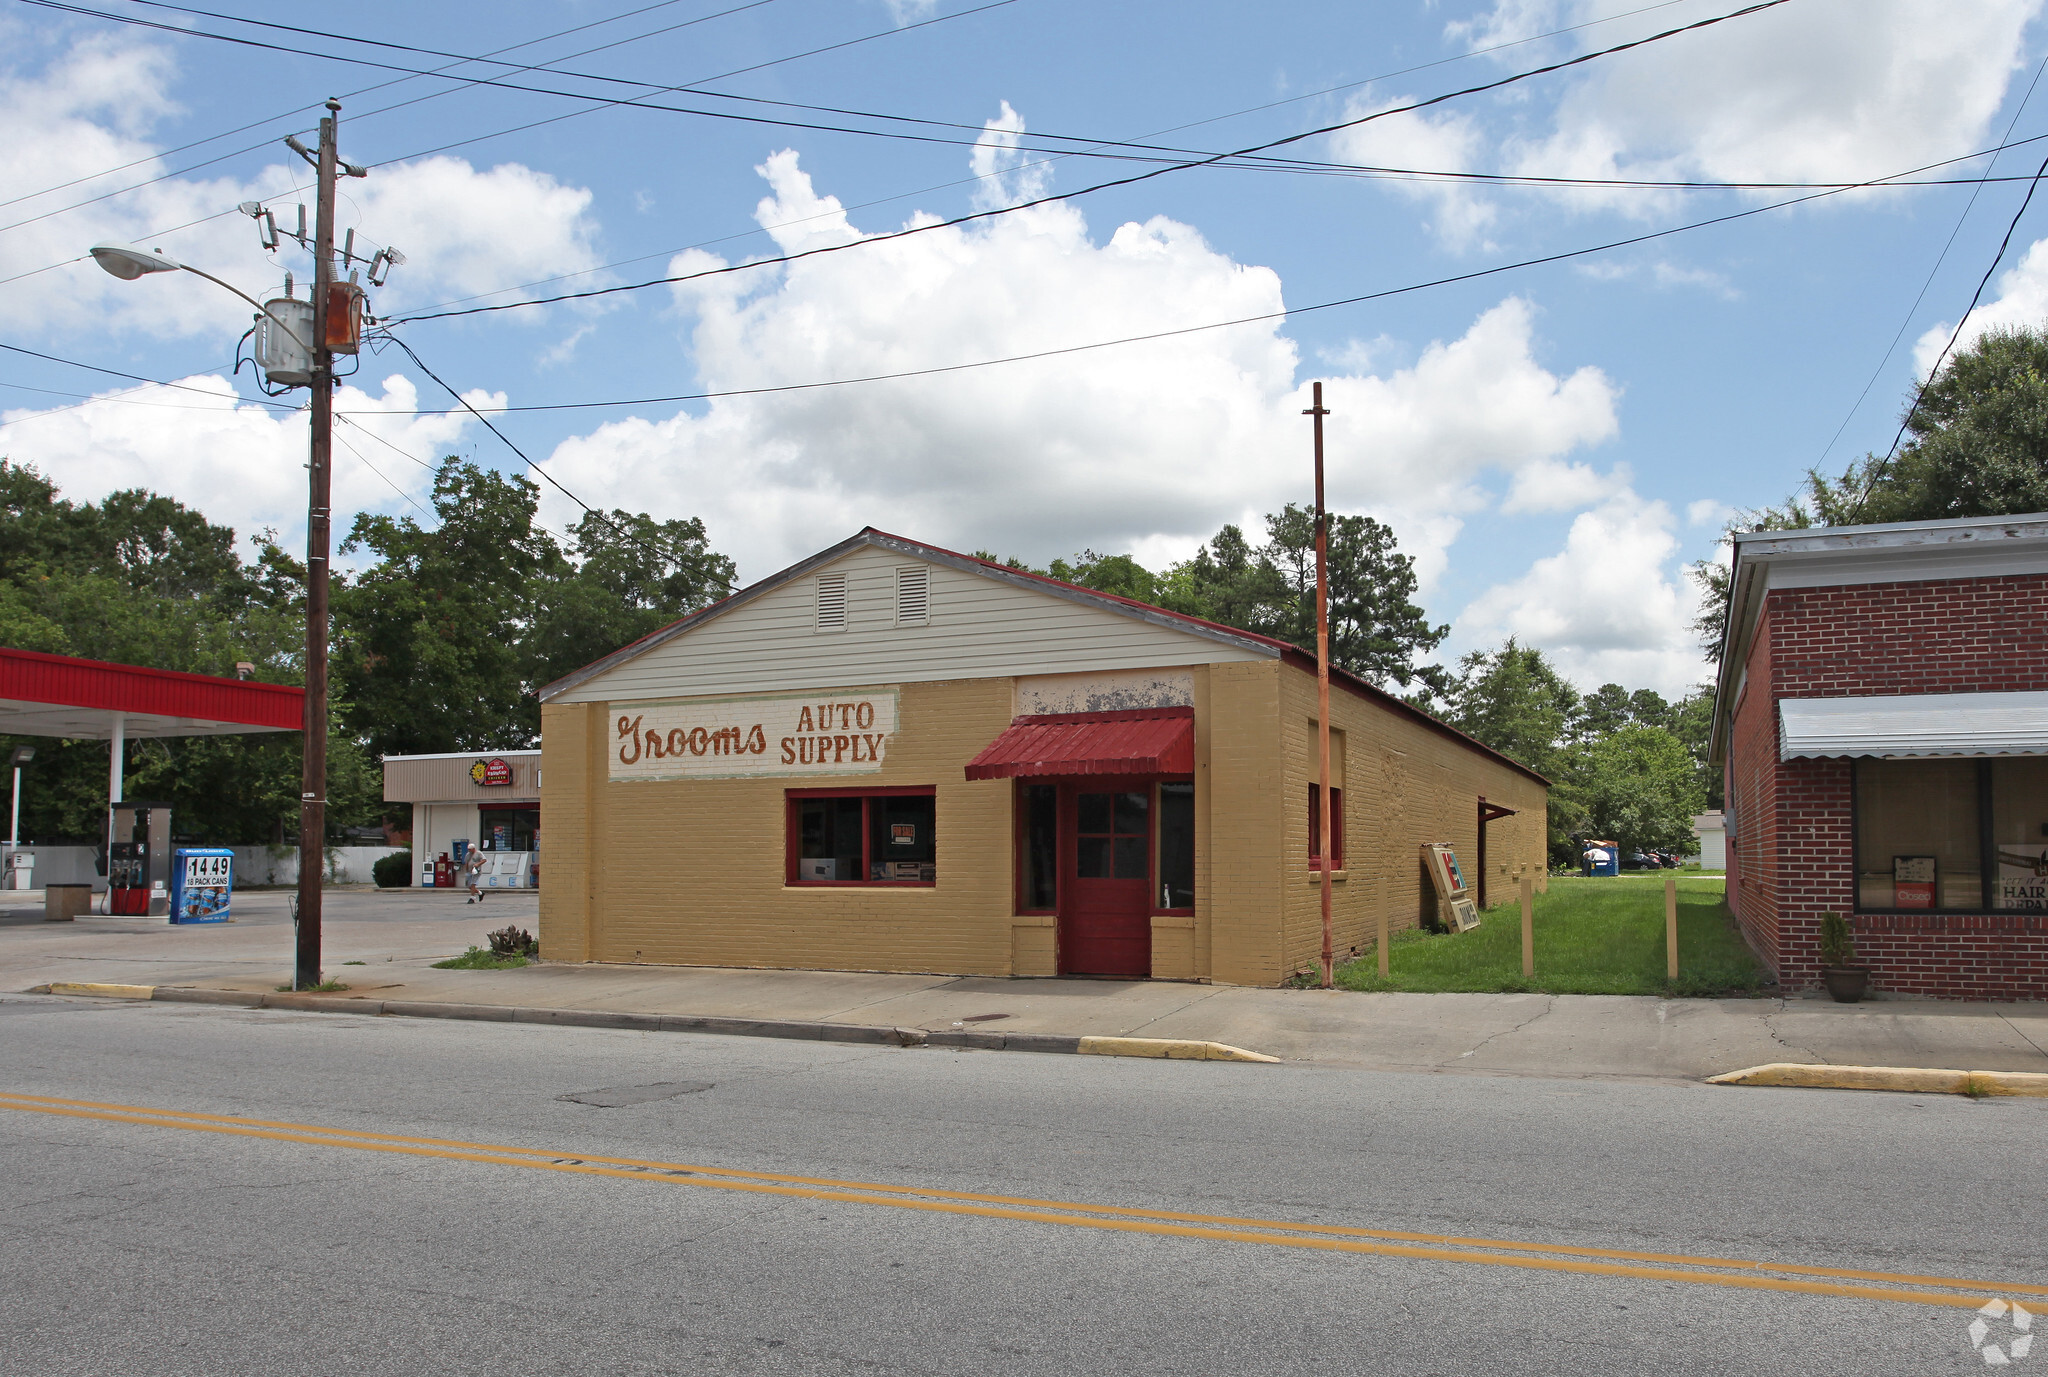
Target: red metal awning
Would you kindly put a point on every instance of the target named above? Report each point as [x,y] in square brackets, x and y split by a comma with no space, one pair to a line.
[61,695]
[1141,741]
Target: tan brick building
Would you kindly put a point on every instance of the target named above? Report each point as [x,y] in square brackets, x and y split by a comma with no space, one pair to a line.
[892,757]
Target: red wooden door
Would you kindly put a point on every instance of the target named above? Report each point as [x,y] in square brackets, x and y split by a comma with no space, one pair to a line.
[1106,902]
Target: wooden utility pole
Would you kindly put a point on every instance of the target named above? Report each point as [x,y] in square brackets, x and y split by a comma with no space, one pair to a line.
[1323,818]
[313,769]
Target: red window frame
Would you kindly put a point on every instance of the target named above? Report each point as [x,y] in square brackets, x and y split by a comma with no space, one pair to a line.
[1315,828]
[793,835]
[1064,784]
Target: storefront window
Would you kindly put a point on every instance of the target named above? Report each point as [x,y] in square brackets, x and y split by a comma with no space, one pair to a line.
[509,829]
[1315,828]
[1919,839]
[1177,845]
[2019,833]
[1038,806]
[883,838]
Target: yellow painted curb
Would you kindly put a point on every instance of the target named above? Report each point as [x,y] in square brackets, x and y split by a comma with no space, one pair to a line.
[1915,1079]
[1180,1049]
[75,987]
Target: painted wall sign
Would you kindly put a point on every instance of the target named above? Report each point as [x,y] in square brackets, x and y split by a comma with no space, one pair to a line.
[725,738]
[492,773]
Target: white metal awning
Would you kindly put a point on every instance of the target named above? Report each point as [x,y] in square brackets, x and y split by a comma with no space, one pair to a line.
[1905,726]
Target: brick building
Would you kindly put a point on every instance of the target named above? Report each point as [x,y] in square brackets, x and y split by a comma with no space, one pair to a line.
[1881,720]
[892,757]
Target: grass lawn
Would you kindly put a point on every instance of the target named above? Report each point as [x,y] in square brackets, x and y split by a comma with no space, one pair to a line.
[1599,936]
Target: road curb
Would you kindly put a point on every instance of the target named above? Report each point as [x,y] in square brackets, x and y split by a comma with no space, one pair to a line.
[1918,1080]
[1177,1049]
[799,1029]
[99,988]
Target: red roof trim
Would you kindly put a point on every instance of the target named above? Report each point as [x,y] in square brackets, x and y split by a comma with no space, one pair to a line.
[30,676]
[1140,741]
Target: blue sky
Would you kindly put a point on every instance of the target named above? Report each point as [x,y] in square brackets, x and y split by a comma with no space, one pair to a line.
[1552,443]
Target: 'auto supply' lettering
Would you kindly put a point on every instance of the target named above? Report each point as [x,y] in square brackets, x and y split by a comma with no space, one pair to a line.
[769,735]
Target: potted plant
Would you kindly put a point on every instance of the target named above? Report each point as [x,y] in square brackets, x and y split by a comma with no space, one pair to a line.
[1845,980]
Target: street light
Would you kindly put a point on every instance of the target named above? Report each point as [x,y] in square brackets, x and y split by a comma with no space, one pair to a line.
[128,262]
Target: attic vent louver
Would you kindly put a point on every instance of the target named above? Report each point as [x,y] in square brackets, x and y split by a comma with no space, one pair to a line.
[913,595]
[831,602]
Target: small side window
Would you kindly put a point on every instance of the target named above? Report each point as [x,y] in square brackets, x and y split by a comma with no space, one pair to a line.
[831,602]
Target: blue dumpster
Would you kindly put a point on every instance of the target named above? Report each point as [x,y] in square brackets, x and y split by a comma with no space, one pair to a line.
[202,882]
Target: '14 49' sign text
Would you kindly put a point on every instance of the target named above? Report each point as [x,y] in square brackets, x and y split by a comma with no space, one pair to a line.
[811,734]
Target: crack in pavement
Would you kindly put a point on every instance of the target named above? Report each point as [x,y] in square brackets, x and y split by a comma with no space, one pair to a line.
[2023,1035]
[1549,1005]
[1780,1039]
[1209,993]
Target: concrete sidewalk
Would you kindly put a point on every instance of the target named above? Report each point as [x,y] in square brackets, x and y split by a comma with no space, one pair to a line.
[397,935]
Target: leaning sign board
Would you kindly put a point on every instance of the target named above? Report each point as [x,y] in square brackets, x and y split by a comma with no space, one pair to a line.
[770,734]
[1460,913]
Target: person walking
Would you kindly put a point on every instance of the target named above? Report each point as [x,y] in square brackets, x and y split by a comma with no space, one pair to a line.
[472,870]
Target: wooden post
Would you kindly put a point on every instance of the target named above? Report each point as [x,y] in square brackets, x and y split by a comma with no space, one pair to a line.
[1383,942]
[1528,927]
[1324,821]
[1671,926]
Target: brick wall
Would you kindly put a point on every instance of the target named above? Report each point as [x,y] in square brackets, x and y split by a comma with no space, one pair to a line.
[1794,858]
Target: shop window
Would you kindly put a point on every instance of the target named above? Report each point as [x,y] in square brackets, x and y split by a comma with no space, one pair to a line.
[1177,845]
[1315,828]
[882,838]
[1038,848]
[509,829]
[2019,834]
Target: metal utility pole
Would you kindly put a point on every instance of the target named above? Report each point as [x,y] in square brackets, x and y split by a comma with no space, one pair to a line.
[313,770]
[1323,819]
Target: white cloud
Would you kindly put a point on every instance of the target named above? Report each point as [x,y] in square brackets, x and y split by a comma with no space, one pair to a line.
[1611,607]
[1707,511]
[93,106]
[1824,90]
[1010,174]
[242,465]
[1448,142]
[2022,301]
[1148,446]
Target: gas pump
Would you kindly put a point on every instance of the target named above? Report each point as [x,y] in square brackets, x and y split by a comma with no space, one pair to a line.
[139,858]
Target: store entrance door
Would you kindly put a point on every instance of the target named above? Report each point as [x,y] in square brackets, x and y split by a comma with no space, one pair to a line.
[1105,909]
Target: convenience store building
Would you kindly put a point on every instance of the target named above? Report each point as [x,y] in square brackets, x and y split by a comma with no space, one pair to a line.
[892,757]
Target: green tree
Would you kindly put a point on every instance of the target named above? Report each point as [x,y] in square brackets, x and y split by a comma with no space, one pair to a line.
[141,579]
[1376,630]
[1638,787]
[1977,445]
[631,575]
[428,654]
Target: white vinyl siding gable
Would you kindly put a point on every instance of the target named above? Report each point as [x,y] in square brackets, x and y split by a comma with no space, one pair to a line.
[980,627]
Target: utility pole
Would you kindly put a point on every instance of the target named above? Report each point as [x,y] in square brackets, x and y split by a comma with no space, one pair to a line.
[313,770]
[1323,688]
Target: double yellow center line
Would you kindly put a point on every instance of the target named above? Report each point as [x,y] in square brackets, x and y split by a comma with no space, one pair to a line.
[1491,1252]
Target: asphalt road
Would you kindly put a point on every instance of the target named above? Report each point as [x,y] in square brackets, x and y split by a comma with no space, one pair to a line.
[226,1247]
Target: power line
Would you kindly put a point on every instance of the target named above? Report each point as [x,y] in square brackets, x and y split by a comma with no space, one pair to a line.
[627,536]
[1939,259]
[1381,295]
[776,260]
[463,83]
[136,377]
[1876,470]
[215,138]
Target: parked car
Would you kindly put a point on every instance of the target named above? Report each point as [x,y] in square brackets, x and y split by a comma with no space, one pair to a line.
[1640,860]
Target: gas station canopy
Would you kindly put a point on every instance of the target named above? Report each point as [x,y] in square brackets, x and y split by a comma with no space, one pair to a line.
[57,695]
